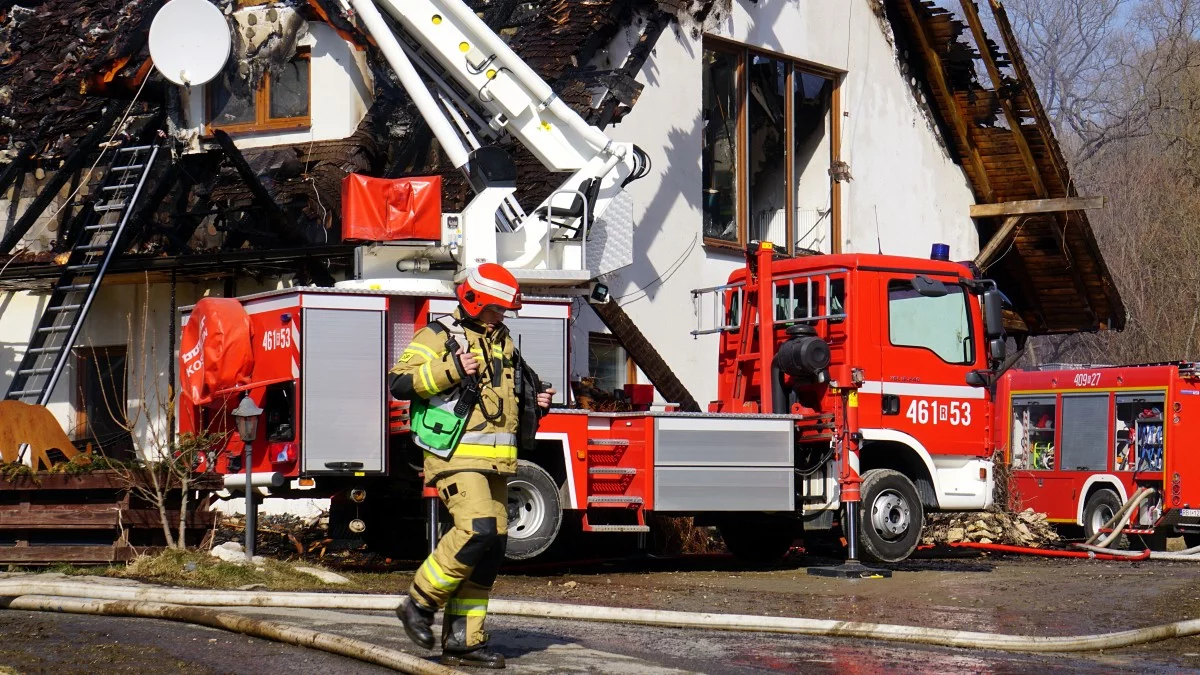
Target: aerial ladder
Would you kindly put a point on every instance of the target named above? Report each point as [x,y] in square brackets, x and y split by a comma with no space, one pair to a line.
[481,90]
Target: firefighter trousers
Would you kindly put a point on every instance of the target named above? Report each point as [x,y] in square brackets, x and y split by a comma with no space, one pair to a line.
[459,574]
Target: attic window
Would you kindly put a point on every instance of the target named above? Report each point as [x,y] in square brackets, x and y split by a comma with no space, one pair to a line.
[282,101]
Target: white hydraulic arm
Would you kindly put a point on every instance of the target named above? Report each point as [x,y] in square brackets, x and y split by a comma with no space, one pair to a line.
[510,97]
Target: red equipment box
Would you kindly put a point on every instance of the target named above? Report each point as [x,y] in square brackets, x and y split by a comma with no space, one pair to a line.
[382,209]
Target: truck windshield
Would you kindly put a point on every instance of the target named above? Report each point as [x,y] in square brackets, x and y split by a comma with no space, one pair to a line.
[940,324]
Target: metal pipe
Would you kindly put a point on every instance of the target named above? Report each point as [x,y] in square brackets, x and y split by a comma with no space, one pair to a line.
[251,525]
[447,137]
[257,479]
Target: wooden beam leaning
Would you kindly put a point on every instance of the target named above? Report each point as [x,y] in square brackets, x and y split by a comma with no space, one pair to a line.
[1002,237]
[936,69]
[1032,206]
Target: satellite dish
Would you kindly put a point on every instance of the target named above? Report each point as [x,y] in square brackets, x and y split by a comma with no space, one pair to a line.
[189,41]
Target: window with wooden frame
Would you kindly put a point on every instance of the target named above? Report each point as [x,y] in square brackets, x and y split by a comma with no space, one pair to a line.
[770,137]
[282,101]
[609,363]
[100,399]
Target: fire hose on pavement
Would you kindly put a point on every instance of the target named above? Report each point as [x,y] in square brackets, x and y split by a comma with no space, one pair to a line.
[133,595]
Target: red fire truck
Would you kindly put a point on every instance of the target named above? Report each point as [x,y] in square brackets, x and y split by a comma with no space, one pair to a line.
[1081,441]
[844,380]
[852,387]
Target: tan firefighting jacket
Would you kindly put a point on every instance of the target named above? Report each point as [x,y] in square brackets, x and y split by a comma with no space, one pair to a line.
[428,366]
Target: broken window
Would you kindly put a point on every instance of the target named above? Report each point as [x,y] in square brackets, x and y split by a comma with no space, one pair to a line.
[768,150]
[719,162]
[768,146]
[282,101]
[100,400]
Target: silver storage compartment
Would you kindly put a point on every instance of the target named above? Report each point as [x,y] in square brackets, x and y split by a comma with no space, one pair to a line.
[343,384]
[543,345]
[723,464]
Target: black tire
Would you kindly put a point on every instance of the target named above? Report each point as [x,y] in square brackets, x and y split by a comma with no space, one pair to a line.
[1191,539]
[890,516]
[1098,510]
[534,512]
[758,542]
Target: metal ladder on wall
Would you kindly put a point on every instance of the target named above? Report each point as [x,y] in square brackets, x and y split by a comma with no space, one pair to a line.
[98,244]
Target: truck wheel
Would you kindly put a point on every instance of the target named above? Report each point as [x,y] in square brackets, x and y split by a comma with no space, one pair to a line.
[1099,509]
[1191,539]
[758,542]
[890,516]
[534,512]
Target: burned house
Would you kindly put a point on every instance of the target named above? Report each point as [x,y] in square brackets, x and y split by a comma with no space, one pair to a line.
[854,125]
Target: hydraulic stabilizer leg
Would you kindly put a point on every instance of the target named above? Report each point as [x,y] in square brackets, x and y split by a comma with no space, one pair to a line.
[851,497]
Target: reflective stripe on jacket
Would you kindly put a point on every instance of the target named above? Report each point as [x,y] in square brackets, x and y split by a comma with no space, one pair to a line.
[427,368]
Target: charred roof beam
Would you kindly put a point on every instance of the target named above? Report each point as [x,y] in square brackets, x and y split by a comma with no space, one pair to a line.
[276,216]
[46,196]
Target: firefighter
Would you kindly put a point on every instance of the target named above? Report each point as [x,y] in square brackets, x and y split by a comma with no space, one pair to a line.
[435,372]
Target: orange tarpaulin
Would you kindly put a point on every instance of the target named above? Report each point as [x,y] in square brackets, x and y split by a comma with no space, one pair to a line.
[215,349]
[381,209]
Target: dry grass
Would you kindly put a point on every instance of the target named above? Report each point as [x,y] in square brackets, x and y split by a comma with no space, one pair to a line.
[193,569]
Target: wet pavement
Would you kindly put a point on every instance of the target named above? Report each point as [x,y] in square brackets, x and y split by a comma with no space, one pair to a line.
[1009,595]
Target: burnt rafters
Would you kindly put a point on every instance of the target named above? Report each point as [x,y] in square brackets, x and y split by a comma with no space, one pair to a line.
[15,168]
[74,161]
[277,217]
[606,114]
[144,212]
[18,185]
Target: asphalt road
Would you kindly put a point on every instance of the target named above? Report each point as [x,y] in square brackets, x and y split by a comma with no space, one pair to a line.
[35,642]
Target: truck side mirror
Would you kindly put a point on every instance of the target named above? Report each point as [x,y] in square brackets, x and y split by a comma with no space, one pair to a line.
[997,349]
[993,314]
[976,379]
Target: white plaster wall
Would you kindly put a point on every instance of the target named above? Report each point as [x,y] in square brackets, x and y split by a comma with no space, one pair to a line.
[900,170]
[341,89]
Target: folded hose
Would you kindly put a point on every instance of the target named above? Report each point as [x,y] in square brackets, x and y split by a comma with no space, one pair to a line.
[647,617]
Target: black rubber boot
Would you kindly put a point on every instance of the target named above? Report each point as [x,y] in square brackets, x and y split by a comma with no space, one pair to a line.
[418,623]
[480,657]
[455,651]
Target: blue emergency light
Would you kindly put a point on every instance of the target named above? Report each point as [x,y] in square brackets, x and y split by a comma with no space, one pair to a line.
[940,252]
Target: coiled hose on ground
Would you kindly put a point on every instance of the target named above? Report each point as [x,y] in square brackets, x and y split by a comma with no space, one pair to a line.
[648,617]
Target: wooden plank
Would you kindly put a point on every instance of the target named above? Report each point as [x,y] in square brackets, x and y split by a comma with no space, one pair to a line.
[1017,208]
[997,242]
[68,553]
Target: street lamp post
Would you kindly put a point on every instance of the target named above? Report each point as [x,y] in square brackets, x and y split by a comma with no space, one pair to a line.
[245,415]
